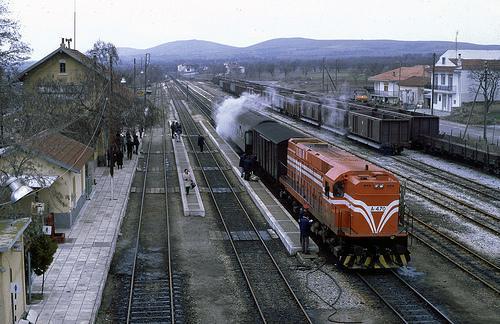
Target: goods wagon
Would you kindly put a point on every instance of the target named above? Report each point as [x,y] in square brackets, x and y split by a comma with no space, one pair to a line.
[379,129]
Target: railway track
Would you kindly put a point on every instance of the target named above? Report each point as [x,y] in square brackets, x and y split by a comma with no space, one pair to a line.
[465,183]
[152,283]
[258,266]
[404,300]
[480,268]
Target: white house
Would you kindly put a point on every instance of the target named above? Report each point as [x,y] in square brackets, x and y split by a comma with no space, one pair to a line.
[186,69]
[233,68]
[402,85]
[452,79]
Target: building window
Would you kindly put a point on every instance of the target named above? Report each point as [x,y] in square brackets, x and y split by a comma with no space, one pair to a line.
[435,79]
[386,86]
[62,67]
[442,60]
[439,98]
[434,100]
[454,102]
[443,79]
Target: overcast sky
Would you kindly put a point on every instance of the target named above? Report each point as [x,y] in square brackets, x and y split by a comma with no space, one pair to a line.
[144,24]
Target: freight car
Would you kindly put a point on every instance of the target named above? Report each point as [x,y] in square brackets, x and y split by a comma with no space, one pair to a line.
[379,129]
[355,204]
[310,109]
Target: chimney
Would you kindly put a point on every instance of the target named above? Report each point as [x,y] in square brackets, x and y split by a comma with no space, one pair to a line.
[459,61]
[62,42]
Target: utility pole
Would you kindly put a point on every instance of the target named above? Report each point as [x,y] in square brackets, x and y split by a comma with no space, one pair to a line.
[74,24]
[110,126]
[146,63]
[323,79]
[135,89]
[432,82]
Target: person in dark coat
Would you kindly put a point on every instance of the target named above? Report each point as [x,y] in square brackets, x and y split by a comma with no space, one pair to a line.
[201,142]
[242,160]
[172,129]
[305,228]
[141,131]
[119,159]
[247,167]
[130,145]
[136,143]
[178,130]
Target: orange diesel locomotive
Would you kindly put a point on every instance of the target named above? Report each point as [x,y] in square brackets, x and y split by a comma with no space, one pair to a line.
[355,203]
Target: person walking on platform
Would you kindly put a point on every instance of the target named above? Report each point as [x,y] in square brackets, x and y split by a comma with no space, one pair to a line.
[242,163]
[178,131]
[305,228]
[201,142]
[188,181]
[172,128]
[136,143]
[119,159]
[130,145]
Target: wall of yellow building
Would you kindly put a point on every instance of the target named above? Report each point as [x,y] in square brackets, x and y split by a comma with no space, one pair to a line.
[63,194]
[49,71]
[12,260]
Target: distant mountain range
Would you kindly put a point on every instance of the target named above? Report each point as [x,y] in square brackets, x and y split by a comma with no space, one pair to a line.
[291,48]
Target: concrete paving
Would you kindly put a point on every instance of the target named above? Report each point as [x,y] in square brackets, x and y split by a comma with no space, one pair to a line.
[276,215]
[76,278]
[192,203]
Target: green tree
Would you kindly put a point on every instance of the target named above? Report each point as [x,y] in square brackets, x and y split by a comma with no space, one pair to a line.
[42,250]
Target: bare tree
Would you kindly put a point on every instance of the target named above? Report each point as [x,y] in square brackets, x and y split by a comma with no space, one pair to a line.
[486,84]
[12,49]
[102,51]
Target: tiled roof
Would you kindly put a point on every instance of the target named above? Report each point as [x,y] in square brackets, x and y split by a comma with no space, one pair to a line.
[406,73]
[78,56]
[478,64]
[61,150]
[415,81]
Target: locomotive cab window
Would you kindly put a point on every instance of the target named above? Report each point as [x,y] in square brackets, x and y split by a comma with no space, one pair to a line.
[327,189]
[338,189]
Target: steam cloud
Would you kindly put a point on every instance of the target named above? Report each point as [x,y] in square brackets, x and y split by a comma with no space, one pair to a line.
[228,111]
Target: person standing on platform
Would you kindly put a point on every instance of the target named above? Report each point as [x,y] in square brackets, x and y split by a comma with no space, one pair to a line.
[201,142]
[242,163]
[136,143]
[172,128]
[119,159]
[178,131]
[130,145]
[305,228]
[188,180]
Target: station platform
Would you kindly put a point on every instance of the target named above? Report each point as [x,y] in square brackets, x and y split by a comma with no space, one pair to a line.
[76,278]
[276,215]
[192,204]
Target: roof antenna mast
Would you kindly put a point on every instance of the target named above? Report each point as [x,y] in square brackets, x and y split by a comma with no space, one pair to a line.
[456,45]
[74,24]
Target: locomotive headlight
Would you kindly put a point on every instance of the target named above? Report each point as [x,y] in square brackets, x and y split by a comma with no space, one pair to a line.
[379,186]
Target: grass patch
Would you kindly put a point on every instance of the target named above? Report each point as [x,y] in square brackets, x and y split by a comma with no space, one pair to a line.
[461,114]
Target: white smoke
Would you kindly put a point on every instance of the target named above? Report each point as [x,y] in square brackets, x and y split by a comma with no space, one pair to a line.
[227,112]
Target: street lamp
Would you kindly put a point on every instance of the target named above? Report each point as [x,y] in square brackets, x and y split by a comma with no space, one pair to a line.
[16,186]
[123,81]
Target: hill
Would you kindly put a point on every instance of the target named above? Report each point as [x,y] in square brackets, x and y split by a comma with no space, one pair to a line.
[293,48]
